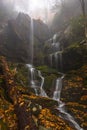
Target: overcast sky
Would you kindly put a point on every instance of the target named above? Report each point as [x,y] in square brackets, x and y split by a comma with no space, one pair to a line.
[35,8]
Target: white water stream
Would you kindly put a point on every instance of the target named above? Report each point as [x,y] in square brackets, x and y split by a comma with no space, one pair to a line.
[61,106]
[31,41]
[58,87]
[33,83]
[42,92]
[56,94]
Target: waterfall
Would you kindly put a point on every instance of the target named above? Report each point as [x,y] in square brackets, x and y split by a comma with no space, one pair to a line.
[61,106]
[57,92]
[58,62]
[32,73]
[32,70]
[54,38]
[32,39]
[58,87]
[42,92]
[34,84]
[68,117]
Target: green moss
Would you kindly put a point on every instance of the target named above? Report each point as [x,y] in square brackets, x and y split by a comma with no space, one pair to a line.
[74,45]
[49,81]
[47,71]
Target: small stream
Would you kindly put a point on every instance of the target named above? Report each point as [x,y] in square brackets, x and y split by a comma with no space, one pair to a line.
[61,107]
[41,91]
[56,94]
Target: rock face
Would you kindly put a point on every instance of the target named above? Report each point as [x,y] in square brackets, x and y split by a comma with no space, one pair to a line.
[72,57]
[14,41]
[15,38]
[41,31]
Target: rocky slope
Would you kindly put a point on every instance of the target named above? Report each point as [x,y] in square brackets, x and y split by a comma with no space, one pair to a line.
[22,110]
[74,91]
[74,94]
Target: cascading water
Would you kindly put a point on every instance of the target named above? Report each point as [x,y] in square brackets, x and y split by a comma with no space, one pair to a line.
[32,69]
[57,92]
[61,107]
[54,38]
[32,39]
[56,95]
[33,83]
[42,92]
[58,61]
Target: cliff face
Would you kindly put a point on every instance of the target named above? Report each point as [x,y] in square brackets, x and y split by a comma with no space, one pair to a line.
[14,41]
[15,37]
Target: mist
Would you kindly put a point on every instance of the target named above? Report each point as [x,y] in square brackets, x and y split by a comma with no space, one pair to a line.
[38,10]
[50,10]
